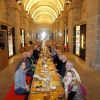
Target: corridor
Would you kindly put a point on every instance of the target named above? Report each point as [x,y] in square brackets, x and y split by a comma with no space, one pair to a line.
[70,26]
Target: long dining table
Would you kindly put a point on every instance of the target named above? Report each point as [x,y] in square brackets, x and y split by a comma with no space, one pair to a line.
[46,83]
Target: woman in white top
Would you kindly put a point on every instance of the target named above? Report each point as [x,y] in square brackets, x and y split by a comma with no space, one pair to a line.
[70,66]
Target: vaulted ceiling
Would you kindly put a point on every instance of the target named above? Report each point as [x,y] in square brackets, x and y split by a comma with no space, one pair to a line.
[44,10]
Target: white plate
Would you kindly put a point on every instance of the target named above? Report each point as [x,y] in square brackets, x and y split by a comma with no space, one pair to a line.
[53,87]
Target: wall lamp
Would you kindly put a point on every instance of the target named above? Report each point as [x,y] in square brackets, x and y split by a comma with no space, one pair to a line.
[19,1]
[68,1]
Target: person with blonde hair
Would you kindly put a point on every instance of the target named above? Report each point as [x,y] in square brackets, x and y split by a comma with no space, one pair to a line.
[70,66]
[72,86]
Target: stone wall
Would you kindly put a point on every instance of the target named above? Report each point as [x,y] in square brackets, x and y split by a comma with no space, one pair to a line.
[79,12]
[17,30]
[92,33]
[97,60]
[3,12]
[70,28]
[86,12]
[13,14]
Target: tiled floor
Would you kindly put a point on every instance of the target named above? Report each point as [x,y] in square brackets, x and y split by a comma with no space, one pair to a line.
[89,77]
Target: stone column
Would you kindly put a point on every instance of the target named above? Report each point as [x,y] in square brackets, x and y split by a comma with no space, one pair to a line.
[55,30]
[18,39]
[26,26]
[31,29]
[60,30]
[70,28]
[35,30]
[13,19]
[93,34]
[97,60]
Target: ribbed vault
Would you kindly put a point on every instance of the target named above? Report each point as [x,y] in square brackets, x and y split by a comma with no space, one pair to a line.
[44,9]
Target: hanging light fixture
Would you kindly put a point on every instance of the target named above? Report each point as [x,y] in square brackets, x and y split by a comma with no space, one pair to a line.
[68,1]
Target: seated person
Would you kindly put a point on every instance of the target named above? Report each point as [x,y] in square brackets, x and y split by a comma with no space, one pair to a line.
[23,57]
[32,60]
[72,86]
[70,66]
[21,86]
[49,47]
[54,54]
[36,52]
[58,61]
[30,64]
[55,58]
[63,68]
[30,57]
[67,65]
